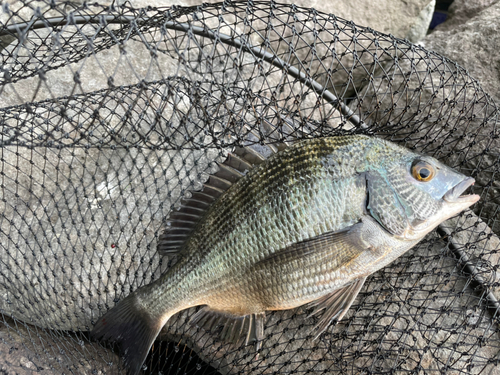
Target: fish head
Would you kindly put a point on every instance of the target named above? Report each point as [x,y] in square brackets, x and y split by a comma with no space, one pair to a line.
[423,193]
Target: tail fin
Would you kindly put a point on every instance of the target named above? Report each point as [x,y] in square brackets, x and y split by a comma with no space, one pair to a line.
[132,328]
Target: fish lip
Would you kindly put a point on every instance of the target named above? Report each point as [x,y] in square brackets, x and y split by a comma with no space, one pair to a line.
[454,194]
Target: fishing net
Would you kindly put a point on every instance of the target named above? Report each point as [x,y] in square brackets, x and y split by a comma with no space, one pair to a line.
[109,116]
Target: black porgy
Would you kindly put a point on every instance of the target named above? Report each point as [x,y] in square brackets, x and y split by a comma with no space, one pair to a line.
[307,225]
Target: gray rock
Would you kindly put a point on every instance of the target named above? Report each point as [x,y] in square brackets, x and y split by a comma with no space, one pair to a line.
[421,25]
[404,19]
[127,64]
[27,350]
[461,11]
[146,56]
[474,45]
[400,18]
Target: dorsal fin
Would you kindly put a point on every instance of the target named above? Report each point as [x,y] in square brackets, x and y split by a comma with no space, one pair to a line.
[239,161]
[182,221]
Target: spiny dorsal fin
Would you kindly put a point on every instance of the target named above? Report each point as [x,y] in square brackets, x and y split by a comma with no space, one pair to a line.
[183,220]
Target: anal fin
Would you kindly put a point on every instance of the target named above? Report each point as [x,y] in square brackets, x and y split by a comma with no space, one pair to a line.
[335,304]
[234,327]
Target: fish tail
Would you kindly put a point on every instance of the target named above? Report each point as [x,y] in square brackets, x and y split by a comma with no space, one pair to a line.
[132,328]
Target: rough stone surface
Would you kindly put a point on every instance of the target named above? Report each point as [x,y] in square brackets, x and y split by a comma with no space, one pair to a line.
[75,244]
[26,350]
[125,65]
[461,11]
[421,25]
[474,45]
[404,19]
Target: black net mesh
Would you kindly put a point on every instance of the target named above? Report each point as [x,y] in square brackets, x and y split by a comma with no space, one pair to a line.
[110,115]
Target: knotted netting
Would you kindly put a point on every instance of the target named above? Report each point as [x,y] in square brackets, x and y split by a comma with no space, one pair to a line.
[109,116]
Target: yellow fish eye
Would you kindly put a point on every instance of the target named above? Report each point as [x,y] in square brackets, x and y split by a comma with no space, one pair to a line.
[423,171]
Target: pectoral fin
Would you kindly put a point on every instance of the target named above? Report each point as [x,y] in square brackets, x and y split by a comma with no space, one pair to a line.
[335,304]
[337,247]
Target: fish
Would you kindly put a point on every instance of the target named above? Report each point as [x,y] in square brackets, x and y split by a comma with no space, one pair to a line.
[304,226]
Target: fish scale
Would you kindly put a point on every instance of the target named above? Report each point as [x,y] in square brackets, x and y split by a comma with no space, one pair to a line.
[307,225]
[225,233]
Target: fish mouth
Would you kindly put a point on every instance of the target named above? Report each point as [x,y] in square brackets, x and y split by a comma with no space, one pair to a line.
[454,194]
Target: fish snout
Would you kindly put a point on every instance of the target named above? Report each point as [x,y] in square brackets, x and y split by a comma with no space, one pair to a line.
[454,195]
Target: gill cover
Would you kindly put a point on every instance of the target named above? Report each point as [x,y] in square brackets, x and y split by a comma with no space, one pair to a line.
[408,193]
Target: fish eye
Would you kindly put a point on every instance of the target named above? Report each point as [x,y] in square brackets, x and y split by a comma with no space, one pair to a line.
[423,171]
